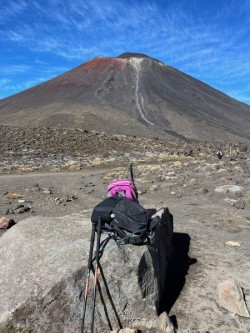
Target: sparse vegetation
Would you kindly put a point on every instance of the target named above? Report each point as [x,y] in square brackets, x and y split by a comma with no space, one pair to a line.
[205,220]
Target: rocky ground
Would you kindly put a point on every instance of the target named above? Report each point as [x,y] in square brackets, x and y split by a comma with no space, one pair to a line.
[54,172]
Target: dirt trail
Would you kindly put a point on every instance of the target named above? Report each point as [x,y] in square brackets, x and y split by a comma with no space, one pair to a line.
[138,98]
[186,177]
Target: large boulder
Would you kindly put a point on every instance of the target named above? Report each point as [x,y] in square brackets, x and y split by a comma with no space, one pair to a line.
[43,265]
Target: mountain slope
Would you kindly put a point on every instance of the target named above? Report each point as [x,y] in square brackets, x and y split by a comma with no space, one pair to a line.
[130,94]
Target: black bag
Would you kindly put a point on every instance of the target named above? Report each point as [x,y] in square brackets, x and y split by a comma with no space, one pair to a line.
[124,215]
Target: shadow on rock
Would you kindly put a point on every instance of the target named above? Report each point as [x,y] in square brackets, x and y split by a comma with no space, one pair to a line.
[177,271]
[111,301]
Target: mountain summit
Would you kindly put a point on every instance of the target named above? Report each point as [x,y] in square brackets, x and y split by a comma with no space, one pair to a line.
[130,94]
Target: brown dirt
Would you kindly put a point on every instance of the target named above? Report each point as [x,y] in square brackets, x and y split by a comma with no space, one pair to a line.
[131,94]
[56,172]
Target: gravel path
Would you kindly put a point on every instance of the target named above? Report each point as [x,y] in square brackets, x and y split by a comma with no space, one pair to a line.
[182,176]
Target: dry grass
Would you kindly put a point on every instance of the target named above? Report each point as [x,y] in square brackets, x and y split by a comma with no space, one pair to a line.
[13,196]
[25,169]
[15,331]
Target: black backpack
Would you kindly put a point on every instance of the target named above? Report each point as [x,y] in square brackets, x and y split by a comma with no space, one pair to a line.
[127,218]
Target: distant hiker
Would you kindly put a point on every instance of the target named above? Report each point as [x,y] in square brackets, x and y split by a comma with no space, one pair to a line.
[219,154]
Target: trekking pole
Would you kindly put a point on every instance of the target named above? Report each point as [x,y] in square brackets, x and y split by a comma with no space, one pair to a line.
[133,181]
[92,240]
[96,271]
[131,173]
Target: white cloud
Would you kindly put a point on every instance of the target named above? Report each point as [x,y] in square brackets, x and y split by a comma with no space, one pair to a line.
[212,49]
[14,69]
[241,95]
[4,82]
[10,9]
[22,86]
[15,36]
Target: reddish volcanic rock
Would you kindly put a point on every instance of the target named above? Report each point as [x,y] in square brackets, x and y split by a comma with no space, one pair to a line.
[6,223]
[130,94]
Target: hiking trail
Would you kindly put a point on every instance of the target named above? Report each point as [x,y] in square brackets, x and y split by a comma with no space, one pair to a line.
[136,63]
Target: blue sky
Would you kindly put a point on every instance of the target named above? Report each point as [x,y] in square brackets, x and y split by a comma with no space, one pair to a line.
[207,39]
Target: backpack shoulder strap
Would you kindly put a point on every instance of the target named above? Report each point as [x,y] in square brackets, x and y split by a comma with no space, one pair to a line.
[154,222]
